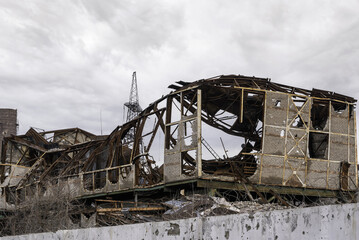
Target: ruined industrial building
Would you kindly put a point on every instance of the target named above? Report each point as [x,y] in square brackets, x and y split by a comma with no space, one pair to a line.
[236,137]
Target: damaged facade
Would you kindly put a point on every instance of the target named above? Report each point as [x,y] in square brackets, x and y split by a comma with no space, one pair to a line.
[284,140]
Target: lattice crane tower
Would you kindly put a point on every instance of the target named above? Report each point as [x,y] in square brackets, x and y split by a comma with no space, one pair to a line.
[133,107]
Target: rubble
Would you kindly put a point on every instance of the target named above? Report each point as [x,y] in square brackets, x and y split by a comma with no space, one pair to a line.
[204,206]
[196,205]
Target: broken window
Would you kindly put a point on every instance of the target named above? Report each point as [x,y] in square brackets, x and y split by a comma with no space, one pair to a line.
[113,175]
[319,114]
[298,122]
[277,103]
[318,145]
[124,171]
[188,162]
[339,107]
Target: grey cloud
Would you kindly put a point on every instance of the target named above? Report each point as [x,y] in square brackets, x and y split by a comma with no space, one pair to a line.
[62,63]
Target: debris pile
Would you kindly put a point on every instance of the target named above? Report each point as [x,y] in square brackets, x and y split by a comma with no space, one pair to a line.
[196,205]
[204,206]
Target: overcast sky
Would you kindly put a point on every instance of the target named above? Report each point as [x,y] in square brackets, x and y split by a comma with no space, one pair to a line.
[62,62]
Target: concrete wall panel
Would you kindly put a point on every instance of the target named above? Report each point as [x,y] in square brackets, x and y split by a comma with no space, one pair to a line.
[276,109]
[323,222]
[274,140]
[272,170]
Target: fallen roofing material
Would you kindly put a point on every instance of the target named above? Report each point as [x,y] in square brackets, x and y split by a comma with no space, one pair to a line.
[281,138]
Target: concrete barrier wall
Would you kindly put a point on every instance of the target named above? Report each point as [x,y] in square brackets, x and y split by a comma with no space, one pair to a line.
[324,222]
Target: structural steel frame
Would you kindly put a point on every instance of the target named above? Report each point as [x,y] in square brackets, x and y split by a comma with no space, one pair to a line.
[267,115]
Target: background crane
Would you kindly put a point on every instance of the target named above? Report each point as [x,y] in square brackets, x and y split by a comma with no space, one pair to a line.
[133,107]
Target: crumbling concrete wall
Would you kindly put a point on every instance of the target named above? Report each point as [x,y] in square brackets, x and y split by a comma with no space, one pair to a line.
[183,134]
[324,222]
[8,123]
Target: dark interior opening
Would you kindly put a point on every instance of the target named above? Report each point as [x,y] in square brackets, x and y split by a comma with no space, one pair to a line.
[318,145]
[188,162]
[344,174]
[319,114]
[339,107]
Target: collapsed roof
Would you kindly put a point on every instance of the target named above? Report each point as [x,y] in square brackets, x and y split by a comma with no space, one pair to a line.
[282,138]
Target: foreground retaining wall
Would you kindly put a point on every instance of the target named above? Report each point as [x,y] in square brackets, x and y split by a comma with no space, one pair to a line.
[324,222]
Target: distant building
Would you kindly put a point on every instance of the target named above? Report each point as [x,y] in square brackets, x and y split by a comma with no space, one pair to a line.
[8,123]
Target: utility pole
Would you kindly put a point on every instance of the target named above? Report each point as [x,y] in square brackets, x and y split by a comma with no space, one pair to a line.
[133,108]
